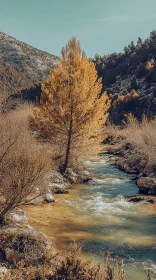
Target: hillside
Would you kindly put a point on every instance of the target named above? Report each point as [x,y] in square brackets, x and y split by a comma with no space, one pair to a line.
[133,69]
[11,79]
[128,77]
[21,64]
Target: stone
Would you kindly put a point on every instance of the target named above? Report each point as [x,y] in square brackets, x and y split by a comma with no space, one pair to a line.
[139,198]
[49,197]
[86,179]
[147,185]
[58,188]
[72,176]
[3,271]
[18,216]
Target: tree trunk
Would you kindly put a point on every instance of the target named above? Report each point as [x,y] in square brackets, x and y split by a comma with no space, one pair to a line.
[64,167]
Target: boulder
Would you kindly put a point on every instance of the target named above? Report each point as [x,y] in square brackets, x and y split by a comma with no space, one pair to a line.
[58,188]
[49,197]
[17,216]
[147,185]
[139,198]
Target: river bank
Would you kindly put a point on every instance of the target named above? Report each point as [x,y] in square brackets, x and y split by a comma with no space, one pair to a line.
[98,215]
[134,147]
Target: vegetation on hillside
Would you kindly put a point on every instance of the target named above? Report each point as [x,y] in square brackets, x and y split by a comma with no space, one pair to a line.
[71,112]
[11,80]
[138,60]
[132,70]
[21,65]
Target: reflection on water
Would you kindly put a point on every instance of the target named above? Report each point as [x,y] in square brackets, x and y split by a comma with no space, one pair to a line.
[98,215]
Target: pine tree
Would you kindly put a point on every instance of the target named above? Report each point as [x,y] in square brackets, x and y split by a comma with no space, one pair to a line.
[134,84]
[72,111]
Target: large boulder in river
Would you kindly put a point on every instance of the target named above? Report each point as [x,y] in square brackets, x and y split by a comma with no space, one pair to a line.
[147,185]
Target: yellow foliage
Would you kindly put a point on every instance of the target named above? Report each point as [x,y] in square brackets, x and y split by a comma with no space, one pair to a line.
[129,96]
[149,65]
[72,112]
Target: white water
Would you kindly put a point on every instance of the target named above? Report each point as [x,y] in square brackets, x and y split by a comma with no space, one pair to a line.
[116,225]
[98,215]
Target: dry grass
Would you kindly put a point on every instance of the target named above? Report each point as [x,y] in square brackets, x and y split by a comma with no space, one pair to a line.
[141,136]
[23,162]
[71,267]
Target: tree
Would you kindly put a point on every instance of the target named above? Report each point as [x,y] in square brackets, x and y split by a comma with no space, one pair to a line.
[134,84]
[140,41]
[72,110]
[126,50]
[132,46]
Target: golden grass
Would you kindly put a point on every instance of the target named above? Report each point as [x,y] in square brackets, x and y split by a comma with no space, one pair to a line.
[141,136]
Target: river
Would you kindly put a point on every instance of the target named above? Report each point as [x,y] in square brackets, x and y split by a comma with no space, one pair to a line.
[97,215]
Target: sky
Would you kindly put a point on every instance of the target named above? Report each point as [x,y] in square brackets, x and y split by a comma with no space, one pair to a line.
[102,26]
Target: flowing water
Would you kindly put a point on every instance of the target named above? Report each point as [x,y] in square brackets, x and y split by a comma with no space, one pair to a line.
[98,215]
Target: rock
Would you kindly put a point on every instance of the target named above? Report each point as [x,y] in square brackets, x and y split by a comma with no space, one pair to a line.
[49,197]
[55,177]
[3,271]
[58,188]
[72,176]
[147,185]
[18,216]
[132,171]
[86,180]
[138,198]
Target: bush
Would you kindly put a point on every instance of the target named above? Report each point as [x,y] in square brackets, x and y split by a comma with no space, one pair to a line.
[71,267]
[141,136]
[23,163]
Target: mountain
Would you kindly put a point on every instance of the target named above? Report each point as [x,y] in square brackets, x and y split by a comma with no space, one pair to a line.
[11,79]
[21,65]
[130,78]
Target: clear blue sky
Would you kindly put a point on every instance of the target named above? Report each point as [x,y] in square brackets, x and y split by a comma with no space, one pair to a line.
[102,26]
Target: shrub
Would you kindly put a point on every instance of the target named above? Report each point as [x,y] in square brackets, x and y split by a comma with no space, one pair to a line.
[23,163]
[140,135]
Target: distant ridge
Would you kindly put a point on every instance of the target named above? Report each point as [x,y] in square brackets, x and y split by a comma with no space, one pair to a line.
[130,79]
[21,65]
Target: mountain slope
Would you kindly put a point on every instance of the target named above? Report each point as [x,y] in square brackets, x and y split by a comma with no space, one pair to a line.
[124,73]
[11,79]
[135,68]
[34,63]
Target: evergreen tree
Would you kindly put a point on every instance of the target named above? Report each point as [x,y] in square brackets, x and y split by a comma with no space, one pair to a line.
[134,84]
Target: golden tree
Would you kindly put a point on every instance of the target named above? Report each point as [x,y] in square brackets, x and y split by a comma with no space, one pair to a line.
[72,110]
